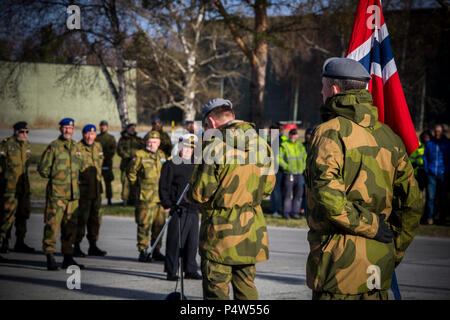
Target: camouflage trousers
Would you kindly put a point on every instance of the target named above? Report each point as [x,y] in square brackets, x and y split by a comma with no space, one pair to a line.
[108,177]
[60,213]
[149,215]
[89,217]
[14,210]
[372,295]
[217,278]
[129,190]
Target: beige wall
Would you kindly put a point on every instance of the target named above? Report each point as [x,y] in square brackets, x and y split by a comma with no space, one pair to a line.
[44,93]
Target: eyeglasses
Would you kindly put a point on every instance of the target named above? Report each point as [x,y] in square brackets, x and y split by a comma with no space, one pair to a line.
[24,131]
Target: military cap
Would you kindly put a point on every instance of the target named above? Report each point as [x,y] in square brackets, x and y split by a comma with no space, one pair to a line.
[309,131]
[67,122]
[89,128]
[344,68]
[214,103]
[130,125]
[155,120]
[103,123]
[293,131]
[188,140]
[20,125]
[152,135]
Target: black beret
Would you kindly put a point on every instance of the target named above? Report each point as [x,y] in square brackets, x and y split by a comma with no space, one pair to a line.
[20,125]
[344,68]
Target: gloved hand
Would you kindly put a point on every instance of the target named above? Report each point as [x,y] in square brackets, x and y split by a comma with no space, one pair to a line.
[384,233]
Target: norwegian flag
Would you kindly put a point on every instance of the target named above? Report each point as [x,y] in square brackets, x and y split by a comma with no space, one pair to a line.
[370,45]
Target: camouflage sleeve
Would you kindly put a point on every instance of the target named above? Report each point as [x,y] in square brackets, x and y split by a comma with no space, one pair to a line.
[46,161]
[328,188]
[100,150]
[134,169]
[203,183]
[407,207]
[111,147]
[122,150]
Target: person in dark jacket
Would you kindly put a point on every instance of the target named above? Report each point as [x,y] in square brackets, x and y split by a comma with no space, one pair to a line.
[175,174]
[436,162]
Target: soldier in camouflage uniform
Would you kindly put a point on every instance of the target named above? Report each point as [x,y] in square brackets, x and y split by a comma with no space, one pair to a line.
[363,202]
[109,146]
[15,188]
[90,193]
[233,233]
[145,172]
[166,143]
[61,163]
[127,146]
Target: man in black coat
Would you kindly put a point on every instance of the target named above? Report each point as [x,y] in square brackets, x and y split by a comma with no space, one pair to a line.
[175,174]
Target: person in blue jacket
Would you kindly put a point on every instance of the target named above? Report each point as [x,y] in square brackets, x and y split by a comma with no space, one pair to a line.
[436,161]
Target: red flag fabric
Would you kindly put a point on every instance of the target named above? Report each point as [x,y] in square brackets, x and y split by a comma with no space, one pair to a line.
[370,45]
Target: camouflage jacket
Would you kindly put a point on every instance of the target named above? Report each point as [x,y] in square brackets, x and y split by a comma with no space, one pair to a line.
[109,146]
[127,147]
[357,169]
[233,229]
[61,163]
[91,174]
[14,161]
[145,170]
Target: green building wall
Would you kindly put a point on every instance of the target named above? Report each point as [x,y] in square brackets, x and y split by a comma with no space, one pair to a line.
[44,93]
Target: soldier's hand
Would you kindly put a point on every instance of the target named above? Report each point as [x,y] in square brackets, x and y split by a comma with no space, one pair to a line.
[384,233]
[176,210]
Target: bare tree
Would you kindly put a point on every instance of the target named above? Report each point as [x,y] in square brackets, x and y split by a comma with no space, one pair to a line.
[254,39]
[181,44]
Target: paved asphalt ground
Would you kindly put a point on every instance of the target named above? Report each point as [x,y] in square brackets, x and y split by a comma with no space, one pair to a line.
[424,274]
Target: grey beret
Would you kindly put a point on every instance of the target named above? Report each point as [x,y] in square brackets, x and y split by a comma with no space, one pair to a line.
[344,68]
[155,120]
[214,103]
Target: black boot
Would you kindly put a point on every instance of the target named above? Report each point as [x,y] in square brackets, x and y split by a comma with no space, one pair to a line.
[143,256]
[5,245]
[51,263]
[109,202]
[94,250]
[68,261]
[77,251]
[158,256]
[22,247]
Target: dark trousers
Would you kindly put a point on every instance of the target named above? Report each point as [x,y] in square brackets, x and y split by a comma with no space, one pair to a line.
[276,196]
[108,177]
[189,242]
[292,192]
[436,197]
